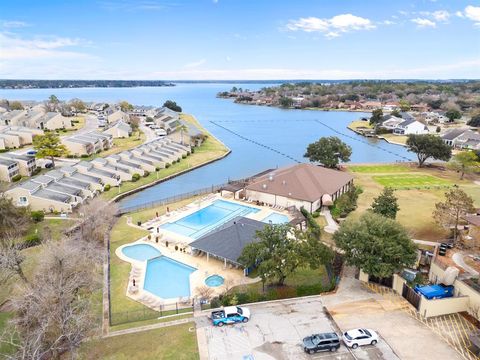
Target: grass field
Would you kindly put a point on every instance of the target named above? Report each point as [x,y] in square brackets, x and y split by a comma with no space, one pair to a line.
[408,181]
[370,169]
[169,343]
[119,270]
[416,205]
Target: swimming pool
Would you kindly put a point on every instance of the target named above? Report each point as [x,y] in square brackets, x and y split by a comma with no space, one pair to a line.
[276,218]
[140,252]
[168,278]
[204,220]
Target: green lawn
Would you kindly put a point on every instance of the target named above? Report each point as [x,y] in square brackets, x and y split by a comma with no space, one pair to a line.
[302,276]
[169,343]
[407,181]
[370,169]
[5,349]
[119,270]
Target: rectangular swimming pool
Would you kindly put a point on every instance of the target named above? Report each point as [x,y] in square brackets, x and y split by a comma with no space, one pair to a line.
[204,220]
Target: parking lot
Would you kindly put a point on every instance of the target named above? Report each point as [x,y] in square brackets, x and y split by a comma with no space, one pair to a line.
[276,330]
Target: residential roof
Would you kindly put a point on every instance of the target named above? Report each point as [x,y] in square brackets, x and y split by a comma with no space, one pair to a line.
[57,187]
[86,178]
[75,183]
[57,175]
[7,162]
[228,241]
[44,193]
[473,219]
[301,181]
[453,134]
[29,185]
[42,179]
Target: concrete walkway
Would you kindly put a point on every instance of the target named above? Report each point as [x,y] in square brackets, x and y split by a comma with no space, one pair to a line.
[332,226]
[458,259]
[149,327]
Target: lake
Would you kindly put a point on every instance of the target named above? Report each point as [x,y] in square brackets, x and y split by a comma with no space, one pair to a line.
[259,137]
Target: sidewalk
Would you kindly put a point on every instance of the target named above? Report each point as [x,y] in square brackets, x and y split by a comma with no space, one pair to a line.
[332,226]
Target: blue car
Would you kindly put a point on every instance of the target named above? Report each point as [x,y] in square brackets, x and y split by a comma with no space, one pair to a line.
[230,315]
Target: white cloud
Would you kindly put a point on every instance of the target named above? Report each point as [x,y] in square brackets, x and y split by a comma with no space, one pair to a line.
[388,22]
[422,22]
[332,27]
[441,15]
[14,24]
[195,64]
[15,47]
[459,14]
[473,13]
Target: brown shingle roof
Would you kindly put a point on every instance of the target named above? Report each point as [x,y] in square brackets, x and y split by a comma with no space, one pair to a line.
[302,182]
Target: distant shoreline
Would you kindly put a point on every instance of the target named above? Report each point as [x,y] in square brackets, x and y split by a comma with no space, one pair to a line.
[75,84]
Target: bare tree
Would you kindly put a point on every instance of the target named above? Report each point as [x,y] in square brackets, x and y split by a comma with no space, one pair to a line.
[53,313]
[14,221]
[204,292]
[98,216]
[11,259]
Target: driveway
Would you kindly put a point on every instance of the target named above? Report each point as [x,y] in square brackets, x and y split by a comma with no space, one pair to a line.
[276,330]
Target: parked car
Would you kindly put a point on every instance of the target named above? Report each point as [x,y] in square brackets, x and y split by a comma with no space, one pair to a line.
[160,132]
[32,153]
[358,337]
[48,165]
[230,315]
[321,342]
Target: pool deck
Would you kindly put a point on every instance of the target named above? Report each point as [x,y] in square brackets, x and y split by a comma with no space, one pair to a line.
[205,267]
[175,238]
[165,241]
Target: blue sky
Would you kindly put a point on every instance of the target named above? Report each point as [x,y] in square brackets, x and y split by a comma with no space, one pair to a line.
[239,39]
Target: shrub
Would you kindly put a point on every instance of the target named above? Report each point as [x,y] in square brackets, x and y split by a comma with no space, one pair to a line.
[99,151]
[56,212]
[106,187]
[346,203]
[312,224]
[305,290]
[188,153]
[37,216]
[16,177]
[215,303]
[146,173]
[157,168]
[31,240]
[135,177]
[192,150]
[286,292]
[438,129]
[316,214]
[70,156]
[184,156]
[167,165]
[84,156]
[36,171]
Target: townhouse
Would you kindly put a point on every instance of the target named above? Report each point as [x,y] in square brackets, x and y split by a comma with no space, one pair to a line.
[119,129]
[8,169]
[462,139]
[26,164]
